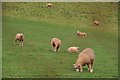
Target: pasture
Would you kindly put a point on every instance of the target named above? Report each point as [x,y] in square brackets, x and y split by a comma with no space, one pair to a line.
[39,24]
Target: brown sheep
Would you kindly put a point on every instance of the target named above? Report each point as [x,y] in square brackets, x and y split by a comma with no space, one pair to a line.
[96,22]
[55,43]
[81,34]
[19,37]
[86,57]
[73,49]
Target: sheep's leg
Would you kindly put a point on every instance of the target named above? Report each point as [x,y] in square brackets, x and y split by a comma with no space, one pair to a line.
[57,48]
[22,43]
[92,66]
[54,47]
[19,42]
[89,65]
[81,70]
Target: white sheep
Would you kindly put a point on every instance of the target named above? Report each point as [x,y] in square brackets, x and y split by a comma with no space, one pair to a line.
[49,5]
[96,22]
[81,34]
[73,49]
[55,43]
[20,38]
[86,57]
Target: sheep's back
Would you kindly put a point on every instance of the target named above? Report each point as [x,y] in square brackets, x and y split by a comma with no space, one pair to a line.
[83,59]
[72,49]
[89,52]
[56,41]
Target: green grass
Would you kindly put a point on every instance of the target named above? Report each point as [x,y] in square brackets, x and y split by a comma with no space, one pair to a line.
[36,58]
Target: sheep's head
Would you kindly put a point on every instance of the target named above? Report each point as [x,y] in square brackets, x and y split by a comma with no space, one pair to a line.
[80,68]
[76,67]
[77,49]
[96,22]
[22,33]
[77,31]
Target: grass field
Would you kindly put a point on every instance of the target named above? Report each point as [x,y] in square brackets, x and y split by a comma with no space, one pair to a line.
[39,24]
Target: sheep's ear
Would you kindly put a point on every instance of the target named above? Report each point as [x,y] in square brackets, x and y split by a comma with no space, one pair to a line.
[22,33]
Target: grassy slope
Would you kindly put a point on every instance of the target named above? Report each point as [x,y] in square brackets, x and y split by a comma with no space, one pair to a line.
[35,58]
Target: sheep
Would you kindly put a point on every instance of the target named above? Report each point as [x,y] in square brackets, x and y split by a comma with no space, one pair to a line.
[55,43]
[49,5]
[73,49]
[96,22]
[86,57]
[20,38]
[81,34]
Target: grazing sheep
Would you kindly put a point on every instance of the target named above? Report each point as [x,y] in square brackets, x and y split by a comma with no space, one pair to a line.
[49,5]
[86,57]
[73,49]
[81,34]
[19,37]
[97,22]
[55,43]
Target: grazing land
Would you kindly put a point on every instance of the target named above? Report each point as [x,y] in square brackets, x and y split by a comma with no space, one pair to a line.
[39,24]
